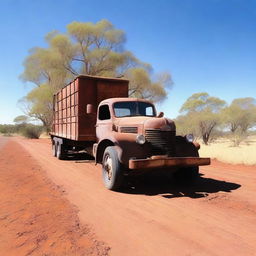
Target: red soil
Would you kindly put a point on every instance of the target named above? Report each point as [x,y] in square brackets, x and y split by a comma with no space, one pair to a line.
[35,218]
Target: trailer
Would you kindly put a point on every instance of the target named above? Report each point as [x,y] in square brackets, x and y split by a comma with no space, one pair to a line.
[74,112]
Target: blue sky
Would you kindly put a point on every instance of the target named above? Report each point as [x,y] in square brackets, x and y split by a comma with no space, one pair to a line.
[207,45]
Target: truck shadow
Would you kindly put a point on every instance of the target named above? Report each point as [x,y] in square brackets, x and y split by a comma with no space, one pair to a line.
[168,188]
[79,157]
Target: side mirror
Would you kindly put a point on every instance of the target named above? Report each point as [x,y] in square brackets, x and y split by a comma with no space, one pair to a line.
[161,114]
[89,109]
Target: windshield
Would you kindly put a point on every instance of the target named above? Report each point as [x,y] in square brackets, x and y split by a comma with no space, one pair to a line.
[133,108]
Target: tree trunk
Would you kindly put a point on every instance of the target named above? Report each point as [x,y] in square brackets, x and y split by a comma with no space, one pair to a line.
[205,138]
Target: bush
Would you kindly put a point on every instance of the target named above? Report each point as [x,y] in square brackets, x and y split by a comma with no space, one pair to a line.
[237,137]
[32,131]
[7,134]
[7,129]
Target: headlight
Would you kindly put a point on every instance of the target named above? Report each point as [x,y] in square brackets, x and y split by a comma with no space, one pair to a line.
[140,139]
[190,137]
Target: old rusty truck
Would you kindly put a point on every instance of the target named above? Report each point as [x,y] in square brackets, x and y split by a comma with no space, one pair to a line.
[125,135]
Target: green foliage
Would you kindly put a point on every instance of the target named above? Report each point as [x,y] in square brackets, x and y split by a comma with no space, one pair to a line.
[41,104]
[7,129]
[201,115]
[25,129]
[22,119]
[207,117]
[200,102]
[31,131]
[141,86]
[90,49]
[186,124]
[239,117]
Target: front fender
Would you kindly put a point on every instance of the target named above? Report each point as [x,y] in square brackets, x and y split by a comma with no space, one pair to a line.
[128,148]
[125,145]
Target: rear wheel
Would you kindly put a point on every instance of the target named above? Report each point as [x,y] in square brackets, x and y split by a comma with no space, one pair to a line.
[54,151]
[60,152]
[111,169]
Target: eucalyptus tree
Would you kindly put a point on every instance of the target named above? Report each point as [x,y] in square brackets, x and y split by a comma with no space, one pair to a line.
[239,117]
[90,49]
[201,114]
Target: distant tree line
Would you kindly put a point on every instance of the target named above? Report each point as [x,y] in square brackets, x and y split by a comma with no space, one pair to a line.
[204,116]
[209,117]
[22,127]
[98,49]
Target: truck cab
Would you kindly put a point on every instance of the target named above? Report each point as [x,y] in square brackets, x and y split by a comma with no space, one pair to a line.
[131,136]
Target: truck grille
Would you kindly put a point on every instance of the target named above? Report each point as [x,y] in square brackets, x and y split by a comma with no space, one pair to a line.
[129,129]
[162,142]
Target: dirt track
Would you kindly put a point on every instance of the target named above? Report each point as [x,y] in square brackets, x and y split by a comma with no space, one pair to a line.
[35,217]
[216,216]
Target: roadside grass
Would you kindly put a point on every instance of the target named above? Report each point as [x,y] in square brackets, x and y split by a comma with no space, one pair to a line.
[223,151]
[44,135]
[6,134]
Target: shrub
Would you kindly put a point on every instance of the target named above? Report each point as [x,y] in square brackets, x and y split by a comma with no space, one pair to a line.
[237,137]
[32,131]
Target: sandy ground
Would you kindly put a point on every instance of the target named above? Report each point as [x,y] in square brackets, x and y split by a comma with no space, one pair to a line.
[223,151]
[35,218]
[215,216]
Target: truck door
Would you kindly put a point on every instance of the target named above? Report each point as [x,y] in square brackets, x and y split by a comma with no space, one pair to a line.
[104,123]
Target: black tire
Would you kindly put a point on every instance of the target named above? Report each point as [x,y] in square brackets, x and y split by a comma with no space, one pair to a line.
[111,170]
[186,149]
[187,175]
[60,151]
[54,151]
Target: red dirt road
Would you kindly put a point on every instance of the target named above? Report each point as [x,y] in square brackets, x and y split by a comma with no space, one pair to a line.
[216,216]
[35,218]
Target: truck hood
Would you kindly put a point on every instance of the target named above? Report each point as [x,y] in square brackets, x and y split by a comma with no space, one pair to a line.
[132,121]
[146,122]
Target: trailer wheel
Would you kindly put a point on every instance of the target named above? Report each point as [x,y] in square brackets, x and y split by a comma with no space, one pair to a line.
[111,169]
[187,175]
[54,151]
[60,151]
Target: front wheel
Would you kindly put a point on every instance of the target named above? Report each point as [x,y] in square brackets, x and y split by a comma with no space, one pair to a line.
[111,169]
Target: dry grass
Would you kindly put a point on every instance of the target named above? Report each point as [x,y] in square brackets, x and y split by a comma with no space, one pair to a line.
[223,151]
[44,135]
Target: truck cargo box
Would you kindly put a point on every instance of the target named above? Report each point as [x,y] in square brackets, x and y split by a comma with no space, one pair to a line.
[70,119]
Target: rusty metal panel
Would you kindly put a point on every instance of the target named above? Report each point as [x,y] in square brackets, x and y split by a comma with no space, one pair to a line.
[68,130]
[167,162]
[68,102]
[72,88]
[64,92]
[73,130]
[87,95]
[70,118]
[59,105]
[72,100]
[111,89]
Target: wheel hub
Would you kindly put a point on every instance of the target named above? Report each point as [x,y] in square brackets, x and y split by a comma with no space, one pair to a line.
[108,167]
